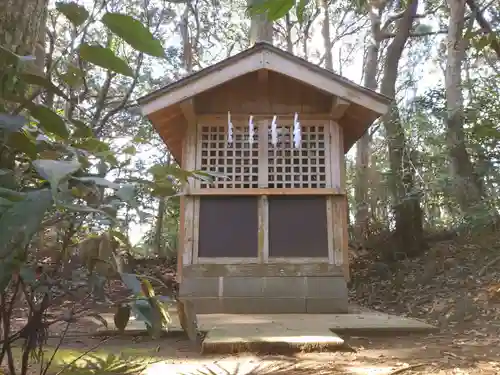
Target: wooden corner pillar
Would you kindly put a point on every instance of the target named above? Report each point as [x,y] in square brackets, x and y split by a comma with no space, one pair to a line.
[337,206]
[186,237]
[185,308]
[339,203]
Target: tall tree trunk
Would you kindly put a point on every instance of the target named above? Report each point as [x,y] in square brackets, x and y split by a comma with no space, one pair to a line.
[467,187]
[327,41]
[187,48]
[362,216]
[261,29]
[22,26]
[408,216]
[22,30]
[289,43]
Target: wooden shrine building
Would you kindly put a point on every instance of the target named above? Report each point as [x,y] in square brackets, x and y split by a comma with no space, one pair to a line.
[271,237]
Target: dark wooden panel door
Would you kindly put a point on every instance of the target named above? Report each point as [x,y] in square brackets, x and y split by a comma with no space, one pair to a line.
[228,227]
[298,226]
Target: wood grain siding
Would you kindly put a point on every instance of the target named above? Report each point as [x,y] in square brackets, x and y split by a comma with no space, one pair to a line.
[228,227]
[297,227]
[282,95]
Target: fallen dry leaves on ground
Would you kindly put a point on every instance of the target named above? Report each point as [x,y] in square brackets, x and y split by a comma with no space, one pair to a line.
[455,285]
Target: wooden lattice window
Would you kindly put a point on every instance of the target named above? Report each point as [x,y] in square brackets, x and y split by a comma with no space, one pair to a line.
[289,167]
[238,162]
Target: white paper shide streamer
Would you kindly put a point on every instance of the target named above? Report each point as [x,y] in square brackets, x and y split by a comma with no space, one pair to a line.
[229,129]
[251,130]
[297,136]
[274,131]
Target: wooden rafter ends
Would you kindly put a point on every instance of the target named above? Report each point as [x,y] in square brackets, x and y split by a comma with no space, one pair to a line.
[187,108]
[339,107]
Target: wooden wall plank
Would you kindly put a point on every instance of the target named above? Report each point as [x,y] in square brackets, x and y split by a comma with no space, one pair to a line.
[336,153]
[263,252]
[340,235]
[330,230]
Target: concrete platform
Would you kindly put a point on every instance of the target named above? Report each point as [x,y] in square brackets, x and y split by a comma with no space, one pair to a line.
[270,338]
[273,333]
[305,332]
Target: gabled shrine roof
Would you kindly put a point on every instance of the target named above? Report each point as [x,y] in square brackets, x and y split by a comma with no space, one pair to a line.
[263,56]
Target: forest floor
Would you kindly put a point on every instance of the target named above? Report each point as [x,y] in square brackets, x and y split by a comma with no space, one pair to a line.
[454,285]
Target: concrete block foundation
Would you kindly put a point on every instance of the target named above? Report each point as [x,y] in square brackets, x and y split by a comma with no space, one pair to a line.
[266,295]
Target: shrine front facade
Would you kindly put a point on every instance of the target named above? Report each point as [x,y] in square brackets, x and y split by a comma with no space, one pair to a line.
[268,234]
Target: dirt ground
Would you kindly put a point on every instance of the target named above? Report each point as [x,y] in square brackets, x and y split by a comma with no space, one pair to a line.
[471,349]
[454,285]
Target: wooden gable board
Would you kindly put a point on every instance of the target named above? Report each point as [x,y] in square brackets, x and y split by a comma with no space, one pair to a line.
[263,56]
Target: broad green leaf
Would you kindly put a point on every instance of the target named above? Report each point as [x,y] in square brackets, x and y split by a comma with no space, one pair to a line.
[99,181]
[122,317]
[147,288]
[278,9]
[9,56]
[82,130]
[301,6]
[35,79]
[5,202]
[157,323]
[73,76]
[126,193]
[161,171]
[13,58]
[92,145]
[14,196]
[482,42]
[82,133]
[275,9]
[55,171]
[108,156]
[121,236]
[132,282]
[142,311]
[163,309]
[130,150]
[8,179]
[21,142]
[75,13]
[18,224]
[258,7]
[163,190]
[50,121]
[148,311]
[12,123]
[105,58]
[134,33]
